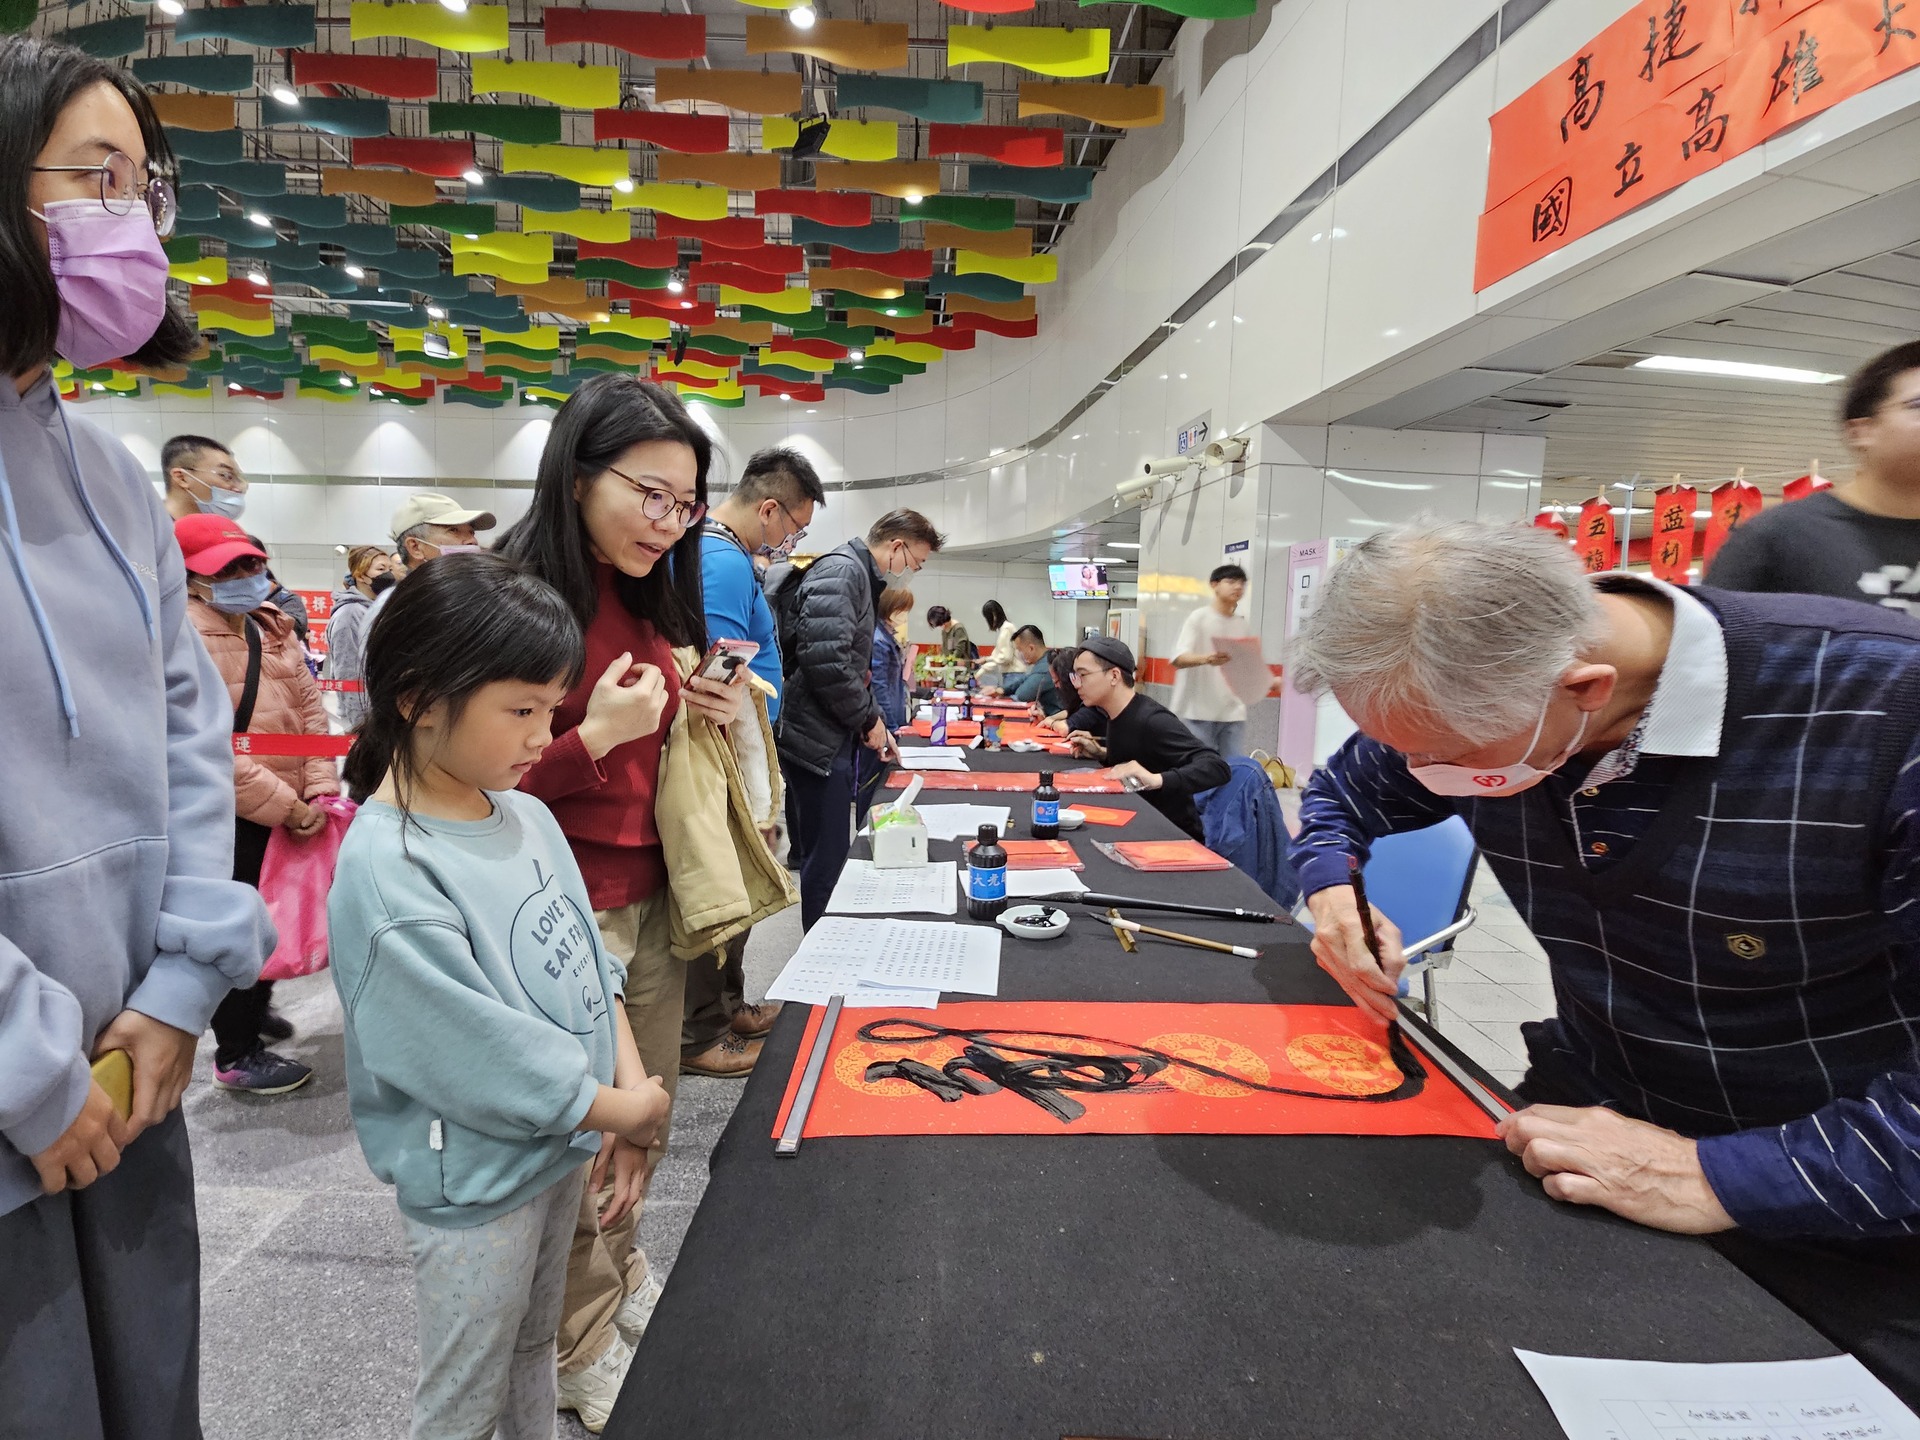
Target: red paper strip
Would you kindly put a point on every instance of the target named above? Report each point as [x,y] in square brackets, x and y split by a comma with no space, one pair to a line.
[792,389]
[740,277]
[781,260]
[1034,146]
[1189,1070]
[1012,329]
[1105,815]
[662,305]
[818,349]
[638,32]
[1548,520]
[1599,549]
[829,207]
[447,158]
[1037,854]
[1731,503]
[949,337]
[687,134]
[1671,550]
[1806,485]
[1077,782]
[1165,855]
[991,7]
[304,745]
[738,231]
[398,77]
[900,264]
[642,254]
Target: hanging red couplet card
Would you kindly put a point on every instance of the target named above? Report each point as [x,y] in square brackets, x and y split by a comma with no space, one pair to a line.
[1596,546]
[1731,503]
[1673,533]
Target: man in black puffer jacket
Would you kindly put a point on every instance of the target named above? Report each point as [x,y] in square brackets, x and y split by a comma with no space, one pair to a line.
[825,619]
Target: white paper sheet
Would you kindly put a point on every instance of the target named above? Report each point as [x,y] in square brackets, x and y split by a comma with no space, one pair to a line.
[1246,671]
[1022,883]
[864,889]
[890,997]
[827,961]
[955,822]
[1655,1400]
[933,758]
[929,955]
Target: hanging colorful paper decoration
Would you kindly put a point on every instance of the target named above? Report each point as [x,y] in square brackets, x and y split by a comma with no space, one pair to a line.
[644,254]
[688,134]
[398,77]
[739,277]
[991,7]
[1022,308]
[652,36]
[737,231]
[329,115]
[522,124]
[1732,503]
[529,192]
[1672,549]
[1034,270]
[753,92]
[852,44]
[1550,520]
[688,202]
[404,264]
[1595,543]
[904,179]
[1034,146]
[1043,49]
[225,73]
[971,211]
[877,238]
[272,27]
[1120,107]
[194,112]
[1005,244]
[900,264]
[583,163]
[846,139]
[604,226]
[449,159]
[1067,185]
[956,101]
[732,171]
[224,147]
[110,39]
[325,211]
[576,87]
[475,30]
[640,327]
[507,245]
[1011,329]
[829,209]
[249,177]
[868,284]
[767,259]
[462,219]
[1811,483]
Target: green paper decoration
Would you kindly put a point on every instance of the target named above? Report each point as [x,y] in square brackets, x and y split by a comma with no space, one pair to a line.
[1062,185]
[959,102]
[210,147]
[249,177]
[362,239]
[454,219]
[234,229]
[853,337]
[785,372]
[981,287]
[975,214]
[721,345]
[289,256]
[523,124]
[882,237]
[479,399]
[327,279]
[266,27]
[354,118]
[109,39]
[403,264]
[436,287]
[717,402]
[911,303]
[859,384]
[533,192]
[198,203]
[525,352]
[322,210]
[182,249]
[893,364]
[227,74]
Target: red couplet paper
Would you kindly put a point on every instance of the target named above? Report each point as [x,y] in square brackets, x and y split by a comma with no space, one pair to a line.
[1548,520]
[1038,854]
[1104,815]
[1806,485]
[1597,547]
[1165,855]
[1125,1069]
[1731,503]
[1672,550]
[1078,782]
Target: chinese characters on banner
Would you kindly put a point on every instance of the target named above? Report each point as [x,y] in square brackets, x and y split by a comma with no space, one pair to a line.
[1730,503]
[1596,545]
[1670,90]
[1673,533]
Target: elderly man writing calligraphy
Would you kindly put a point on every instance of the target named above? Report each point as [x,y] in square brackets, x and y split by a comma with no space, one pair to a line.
[1706,806]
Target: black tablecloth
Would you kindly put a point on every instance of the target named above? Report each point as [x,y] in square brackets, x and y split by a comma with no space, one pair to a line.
[1178,1286]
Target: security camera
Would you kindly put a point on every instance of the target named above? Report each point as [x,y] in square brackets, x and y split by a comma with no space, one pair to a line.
[1139,488]
[1172,465]
[1230,451]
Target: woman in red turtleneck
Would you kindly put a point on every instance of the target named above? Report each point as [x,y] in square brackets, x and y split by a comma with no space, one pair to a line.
[615,528]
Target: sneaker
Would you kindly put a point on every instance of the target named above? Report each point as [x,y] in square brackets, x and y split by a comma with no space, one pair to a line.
[261,1072]
[275,1027]
[728,1058]
[637,1309]
[750,1022]
[590,1393]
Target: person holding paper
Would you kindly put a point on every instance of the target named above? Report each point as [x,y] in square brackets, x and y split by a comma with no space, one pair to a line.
[1147,746]
[1201,695]
[1706,805]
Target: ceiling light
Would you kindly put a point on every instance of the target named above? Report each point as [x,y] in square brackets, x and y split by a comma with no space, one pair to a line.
[256,278]
[1110,560]
[458,7]
[675,285]
[203,280]
[473,177]
[98,386]
[436,312]
[286,95]
[260,219]
[893,312]
[171,7]
[1376,484]
[233,384]
[856,355]
[1123,544]
[354,272]
[346,380]
[802,17]
[1074,560]
[624,184]
[686,304]
[912,197]
[473,237]
[786,397]
[1739,369]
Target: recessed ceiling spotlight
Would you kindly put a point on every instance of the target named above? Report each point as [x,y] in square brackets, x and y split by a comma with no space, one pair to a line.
[354,272]
[257,278]
[435,312]
[458,7]
[802,17]
[473,177]
[170,7]
[260,219]
[1737,369]
[624,185]
[286,95]
[675,285]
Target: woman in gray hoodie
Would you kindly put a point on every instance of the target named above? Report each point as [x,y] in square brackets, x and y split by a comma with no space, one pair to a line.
[347,627]
[121,926]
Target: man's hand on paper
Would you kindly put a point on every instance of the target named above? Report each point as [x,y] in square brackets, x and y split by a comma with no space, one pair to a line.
[1085,746]
[1340,947]
[1595,1156]
[1133,769]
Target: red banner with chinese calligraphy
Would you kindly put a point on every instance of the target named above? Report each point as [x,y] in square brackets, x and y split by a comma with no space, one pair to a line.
[1597,545]
[1549,520]
[1806,485]
[1730,503]
[1668,91]
[1672,549]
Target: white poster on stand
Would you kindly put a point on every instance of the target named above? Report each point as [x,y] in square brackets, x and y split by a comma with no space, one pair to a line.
[1306,733]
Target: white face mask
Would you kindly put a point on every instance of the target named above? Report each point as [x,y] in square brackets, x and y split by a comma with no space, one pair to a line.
[1465,780]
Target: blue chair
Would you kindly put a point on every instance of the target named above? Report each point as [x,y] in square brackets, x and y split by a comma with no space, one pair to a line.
[1420,880]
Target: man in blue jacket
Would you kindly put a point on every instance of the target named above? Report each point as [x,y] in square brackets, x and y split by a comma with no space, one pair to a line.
[764,517]
[1706,805]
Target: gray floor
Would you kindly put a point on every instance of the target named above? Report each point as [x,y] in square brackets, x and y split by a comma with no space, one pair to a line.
[308,1300]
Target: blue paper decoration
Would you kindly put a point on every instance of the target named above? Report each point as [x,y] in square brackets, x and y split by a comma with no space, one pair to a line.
[532,192]
[249,177]
[363,239]
[234,229]
[403,264]
[226,73]
[958,102]
[435,287]
[304,210]
[270,27]
[1063,185]
[356,118]
[109,39]
[981,287]
[211,147]
[882,237]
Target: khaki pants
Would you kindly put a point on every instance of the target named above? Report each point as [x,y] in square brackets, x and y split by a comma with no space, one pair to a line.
[604,1267]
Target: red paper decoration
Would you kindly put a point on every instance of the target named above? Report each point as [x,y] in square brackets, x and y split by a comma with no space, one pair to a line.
[779,260]
[638,32]
[688,134]
[738,231]
[447,158]
[740,277]
[398,77]
[1731,504]
[1806,485]
[1031,146]
[663,305]
[792,389]
[642,254]
[818,349]
[828,207]
[1597,545]
[900,264]
[991,7]
[994,325]
[948,337]
[1671,552]
[1550,520]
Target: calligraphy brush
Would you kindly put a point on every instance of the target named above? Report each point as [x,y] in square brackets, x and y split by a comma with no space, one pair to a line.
[1134,902]
[1120,923]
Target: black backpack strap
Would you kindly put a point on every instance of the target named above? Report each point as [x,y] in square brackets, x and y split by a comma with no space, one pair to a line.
[250,691]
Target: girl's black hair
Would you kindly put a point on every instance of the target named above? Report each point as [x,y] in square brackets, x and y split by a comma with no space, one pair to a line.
[38,80]
[993,615]
[1060,666]
[462,622]
[608,415]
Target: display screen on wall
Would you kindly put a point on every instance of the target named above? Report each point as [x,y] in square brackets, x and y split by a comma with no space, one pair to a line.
[1078,582]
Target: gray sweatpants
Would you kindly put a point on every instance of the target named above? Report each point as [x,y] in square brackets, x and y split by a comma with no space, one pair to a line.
[488,1301]
[1227,737]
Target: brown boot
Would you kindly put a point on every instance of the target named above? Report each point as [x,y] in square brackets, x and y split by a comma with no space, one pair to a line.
[728,1058]
[750,1022]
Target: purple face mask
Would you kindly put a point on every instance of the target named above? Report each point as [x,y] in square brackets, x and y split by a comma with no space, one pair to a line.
[112,276]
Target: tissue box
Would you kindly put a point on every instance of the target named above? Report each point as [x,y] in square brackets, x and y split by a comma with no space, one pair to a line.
[900,845]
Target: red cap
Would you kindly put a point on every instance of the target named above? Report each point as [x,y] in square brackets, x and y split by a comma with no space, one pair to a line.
[210,543]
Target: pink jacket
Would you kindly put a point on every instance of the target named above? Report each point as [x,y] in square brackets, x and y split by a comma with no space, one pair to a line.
[266,786]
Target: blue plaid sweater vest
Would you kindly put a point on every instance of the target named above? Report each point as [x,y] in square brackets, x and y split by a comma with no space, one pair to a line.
[1735,968]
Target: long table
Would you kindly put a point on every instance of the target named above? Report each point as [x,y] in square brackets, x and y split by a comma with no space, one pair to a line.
[1180,1286]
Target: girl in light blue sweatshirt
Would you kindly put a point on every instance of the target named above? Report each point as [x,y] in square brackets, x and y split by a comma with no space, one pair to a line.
[488,1053]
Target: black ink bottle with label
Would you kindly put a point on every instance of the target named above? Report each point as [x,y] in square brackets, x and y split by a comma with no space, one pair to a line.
[986,876]
[1046,809]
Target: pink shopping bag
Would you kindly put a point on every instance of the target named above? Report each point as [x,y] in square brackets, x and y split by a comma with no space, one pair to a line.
[294,880]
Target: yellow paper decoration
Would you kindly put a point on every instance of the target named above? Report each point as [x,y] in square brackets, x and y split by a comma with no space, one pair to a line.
[507,245]
[548,291]
[731,171]
[519,363]
[715,392]
[700,369]
[339,395]
[846,139]
[907,350]
[535,337]
[606,227]
[547,393]
[1014,244]
[903,179]
[870,283]
[194,112]
[1043,49]
[396,187]
[211,270]
[584,163]
[346,359]
[1034,270]
[1123,107]
[415,341]
[472,31]
[578,87]
[499,269]
[852,44]
[750,91]
[782,302]
[211,319]
[796,359]
[121,382]
[639,327]
[687,202]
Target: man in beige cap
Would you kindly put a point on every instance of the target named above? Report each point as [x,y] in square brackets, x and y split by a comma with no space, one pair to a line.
[430,525]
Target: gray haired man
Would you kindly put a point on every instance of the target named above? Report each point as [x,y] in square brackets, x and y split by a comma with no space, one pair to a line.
[1706,805]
